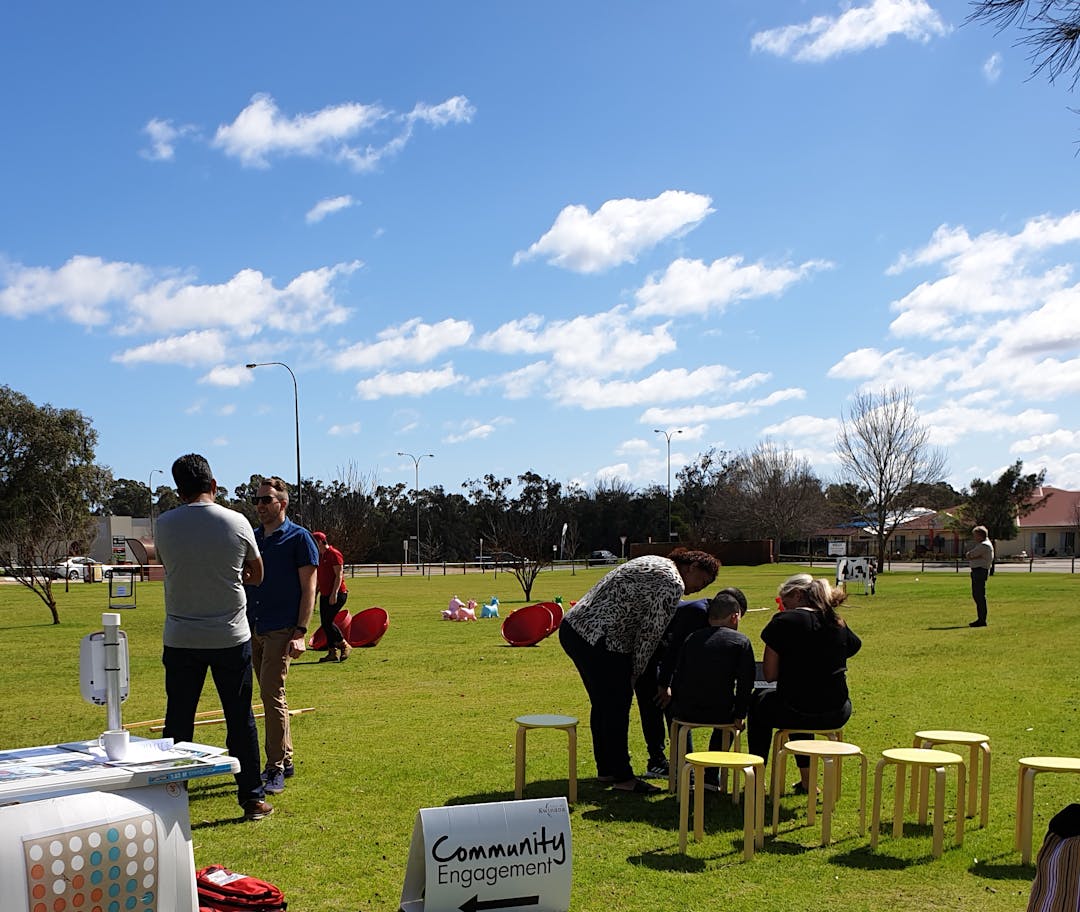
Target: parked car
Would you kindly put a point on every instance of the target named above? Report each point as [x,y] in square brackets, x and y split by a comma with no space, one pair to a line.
[602,557]
[74,568]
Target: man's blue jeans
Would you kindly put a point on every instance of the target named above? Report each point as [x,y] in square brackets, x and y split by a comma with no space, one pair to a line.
[185,674]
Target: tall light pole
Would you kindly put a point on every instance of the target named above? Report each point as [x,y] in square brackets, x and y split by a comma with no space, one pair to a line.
[296,410]
[149,485]
[416,465]
[668,435]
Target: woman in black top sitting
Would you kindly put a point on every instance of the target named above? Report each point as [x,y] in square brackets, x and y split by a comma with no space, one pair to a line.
[807,645]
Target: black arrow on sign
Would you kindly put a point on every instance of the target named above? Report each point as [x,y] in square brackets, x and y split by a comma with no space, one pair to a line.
[475,904]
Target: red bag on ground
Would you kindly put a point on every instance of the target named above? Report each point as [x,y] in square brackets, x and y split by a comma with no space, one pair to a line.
[222,890]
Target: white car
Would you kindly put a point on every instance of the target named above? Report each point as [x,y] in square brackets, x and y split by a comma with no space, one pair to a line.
[74,568]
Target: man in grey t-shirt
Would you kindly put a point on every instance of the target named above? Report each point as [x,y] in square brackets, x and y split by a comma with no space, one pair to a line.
[208,553]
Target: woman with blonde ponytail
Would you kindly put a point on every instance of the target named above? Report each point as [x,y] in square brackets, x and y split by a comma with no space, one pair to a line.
[807,645]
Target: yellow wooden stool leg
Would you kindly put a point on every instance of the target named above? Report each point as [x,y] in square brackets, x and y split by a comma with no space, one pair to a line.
[571,747]
[811,793]
[750,816]
[827,796]
[875,814]
[939,810]
[1019,808]
[684,805]
[898,803]
[862,795]
[960,809]
[779,764]
[985,816]
[758,785]
[699,803]
[917,782]
[519,762]
[1028,803]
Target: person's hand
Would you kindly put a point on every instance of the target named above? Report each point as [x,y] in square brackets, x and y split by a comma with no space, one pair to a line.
[663,697]
[333,600]
[297,647]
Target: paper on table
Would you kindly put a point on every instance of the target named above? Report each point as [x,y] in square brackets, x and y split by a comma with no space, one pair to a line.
[149,751]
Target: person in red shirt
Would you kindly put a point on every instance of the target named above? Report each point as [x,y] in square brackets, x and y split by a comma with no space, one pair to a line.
[332,597]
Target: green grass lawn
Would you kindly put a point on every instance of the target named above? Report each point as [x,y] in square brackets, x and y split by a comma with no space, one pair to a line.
[425,719]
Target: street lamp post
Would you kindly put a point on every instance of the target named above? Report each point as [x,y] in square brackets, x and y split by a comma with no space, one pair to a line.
[149,485]
[416,465]
[668,435]
[296,411]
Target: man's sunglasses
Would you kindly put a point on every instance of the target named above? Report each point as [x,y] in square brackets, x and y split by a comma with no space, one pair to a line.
[265,500]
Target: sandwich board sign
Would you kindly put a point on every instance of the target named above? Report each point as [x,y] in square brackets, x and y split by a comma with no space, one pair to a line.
[490,857]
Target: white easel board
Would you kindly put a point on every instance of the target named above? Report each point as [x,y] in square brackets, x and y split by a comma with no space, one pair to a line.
[488,857]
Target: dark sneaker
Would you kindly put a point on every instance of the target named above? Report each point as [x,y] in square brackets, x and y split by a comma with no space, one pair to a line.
[273,780]
[977,624]
[657,769]
[256,809]
[289,770]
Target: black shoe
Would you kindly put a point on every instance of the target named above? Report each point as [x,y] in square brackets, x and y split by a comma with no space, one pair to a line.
[799,789]
[657,769]
[979,623]
[256,809]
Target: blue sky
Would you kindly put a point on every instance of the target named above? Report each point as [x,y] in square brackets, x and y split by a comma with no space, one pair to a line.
[523,237]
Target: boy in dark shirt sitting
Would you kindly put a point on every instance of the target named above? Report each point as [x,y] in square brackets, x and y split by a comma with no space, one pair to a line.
[714,674]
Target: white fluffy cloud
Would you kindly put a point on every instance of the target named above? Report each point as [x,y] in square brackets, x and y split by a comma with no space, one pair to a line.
[472,429]
[952,422]
[804,428]
[190,349]
[81,290]
[855,29]
[328,206]
[132,298]
[407,383]
[694,287]
[412,342]
[261,131]
[227,375]
[992,68]
[617,232]
[660,386]
[694,414]
[163,135]
[344,430]
[597,345]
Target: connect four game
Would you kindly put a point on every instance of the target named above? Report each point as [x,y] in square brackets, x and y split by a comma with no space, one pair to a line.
[108,867]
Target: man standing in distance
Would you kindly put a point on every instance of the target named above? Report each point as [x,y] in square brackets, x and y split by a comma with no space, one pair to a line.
[981,558]
[279,610]
[332,597]
[207,552]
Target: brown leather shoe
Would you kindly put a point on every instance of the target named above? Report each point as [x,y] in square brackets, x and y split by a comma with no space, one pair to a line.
[331,655]
[345,650]
[256,809]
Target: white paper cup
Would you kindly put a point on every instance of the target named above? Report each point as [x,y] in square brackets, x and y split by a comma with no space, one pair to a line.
[115,743]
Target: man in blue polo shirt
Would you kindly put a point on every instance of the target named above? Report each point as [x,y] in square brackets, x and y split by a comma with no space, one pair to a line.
[279,611]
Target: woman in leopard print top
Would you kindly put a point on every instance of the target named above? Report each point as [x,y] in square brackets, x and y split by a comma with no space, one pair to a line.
[610,635]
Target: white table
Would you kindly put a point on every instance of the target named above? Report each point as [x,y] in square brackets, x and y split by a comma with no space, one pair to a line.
[77,828]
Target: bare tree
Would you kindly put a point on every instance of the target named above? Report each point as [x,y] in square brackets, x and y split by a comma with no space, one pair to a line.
[884,448]
[1049,29]
[775,494]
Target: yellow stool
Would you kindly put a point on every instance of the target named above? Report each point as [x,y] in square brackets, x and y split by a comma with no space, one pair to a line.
[1025,794]
[920,758]
[752,767]
[567,724]
[977,744]
[780,737]
[680,732]
[833,753]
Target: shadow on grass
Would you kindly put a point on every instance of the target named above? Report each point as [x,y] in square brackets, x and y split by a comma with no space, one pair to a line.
[1015,871]
[951,627]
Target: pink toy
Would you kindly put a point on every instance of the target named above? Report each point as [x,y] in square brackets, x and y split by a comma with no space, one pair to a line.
[458,611]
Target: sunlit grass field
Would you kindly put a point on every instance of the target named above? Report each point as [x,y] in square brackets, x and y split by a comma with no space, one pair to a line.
[425,719]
